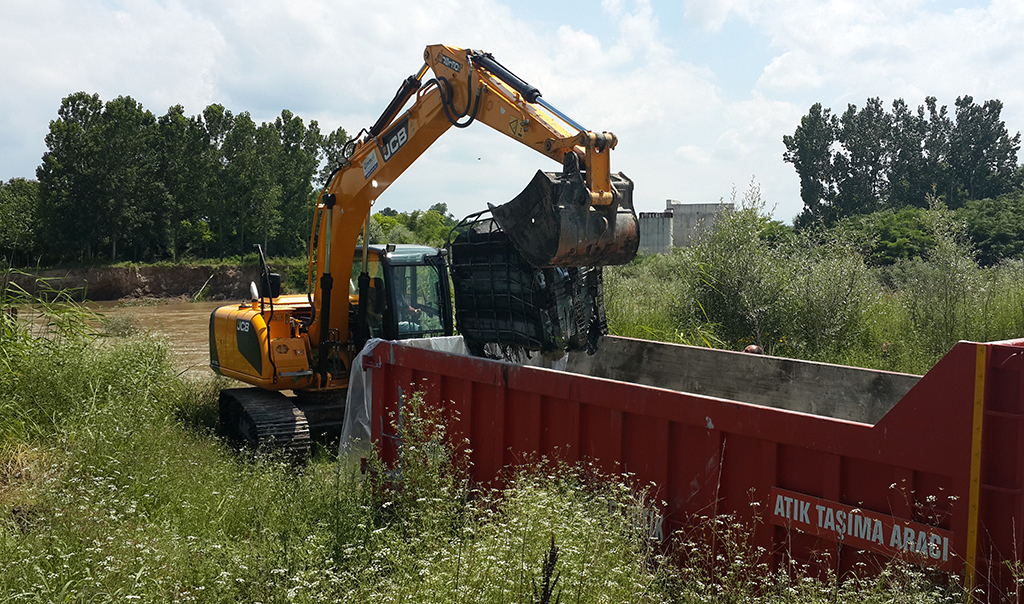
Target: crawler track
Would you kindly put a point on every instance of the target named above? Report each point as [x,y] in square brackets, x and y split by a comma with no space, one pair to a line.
[259,418]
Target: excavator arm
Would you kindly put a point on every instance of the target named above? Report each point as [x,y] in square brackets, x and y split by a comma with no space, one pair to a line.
[580,217]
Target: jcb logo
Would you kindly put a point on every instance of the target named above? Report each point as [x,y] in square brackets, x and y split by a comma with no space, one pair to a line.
[395,139]
[243,325]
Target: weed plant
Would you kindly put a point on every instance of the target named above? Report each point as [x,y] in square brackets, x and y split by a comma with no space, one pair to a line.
[114,487]
[718,562]
[812,296]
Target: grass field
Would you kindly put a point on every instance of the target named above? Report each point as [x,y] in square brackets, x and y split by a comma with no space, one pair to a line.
[114,487]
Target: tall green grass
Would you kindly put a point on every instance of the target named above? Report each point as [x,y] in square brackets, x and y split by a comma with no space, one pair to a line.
[812,296]
[114,487]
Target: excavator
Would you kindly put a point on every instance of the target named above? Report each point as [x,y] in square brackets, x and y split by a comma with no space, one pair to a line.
[298,349]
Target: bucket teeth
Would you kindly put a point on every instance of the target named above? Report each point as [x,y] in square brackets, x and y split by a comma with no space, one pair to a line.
[552,223]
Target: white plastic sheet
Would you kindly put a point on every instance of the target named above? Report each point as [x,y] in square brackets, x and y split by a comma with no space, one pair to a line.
[355,431]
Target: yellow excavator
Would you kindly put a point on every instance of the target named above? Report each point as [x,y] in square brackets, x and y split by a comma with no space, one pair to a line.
[298,349]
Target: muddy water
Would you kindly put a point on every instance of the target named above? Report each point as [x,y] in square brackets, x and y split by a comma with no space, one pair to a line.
[185,325]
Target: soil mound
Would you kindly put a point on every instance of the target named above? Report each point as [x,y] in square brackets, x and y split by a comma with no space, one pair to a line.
[114,283]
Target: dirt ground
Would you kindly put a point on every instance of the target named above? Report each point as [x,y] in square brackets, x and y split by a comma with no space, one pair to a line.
[114,283]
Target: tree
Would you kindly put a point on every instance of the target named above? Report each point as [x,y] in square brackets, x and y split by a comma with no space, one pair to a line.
[251,197]
[214,125]
[425,228]
[18,201]
[187,165]
[909,179]
[134,200]
[870,159]
[116,177]
[810,152]
[996,226]
[860,168]
[332,148]
[69,179]
[888,236]
[982,154]
[294,165]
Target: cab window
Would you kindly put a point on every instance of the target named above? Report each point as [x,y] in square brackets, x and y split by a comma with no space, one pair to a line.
[417,290]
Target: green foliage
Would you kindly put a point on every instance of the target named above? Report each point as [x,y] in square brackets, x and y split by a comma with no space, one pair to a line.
[18,201]
[425,228]
[810,152]
[893,290]
[996,226]
[982,160]
[118,182]
[121,491]
[888,236]
[869,159]
[113,487]
[776,233]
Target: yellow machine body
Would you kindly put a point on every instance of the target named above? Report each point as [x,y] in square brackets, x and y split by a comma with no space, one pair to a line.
[582,218]
[271,355]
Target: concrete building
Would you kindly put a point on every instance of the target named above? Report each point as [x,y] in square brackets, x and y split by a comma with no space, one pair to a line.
[678,225]
[655,232]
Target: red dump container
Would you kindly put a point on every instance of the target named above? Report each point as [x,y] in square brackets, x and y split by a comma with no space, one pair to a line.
[844,465]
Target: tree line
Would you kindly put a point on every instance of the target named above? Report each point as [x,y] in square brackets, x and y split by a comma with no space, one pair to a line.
[869,159]
[119,183]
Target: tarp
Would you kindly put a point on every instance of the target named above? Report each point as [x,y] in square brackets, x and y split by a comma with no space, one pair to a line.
[355,431]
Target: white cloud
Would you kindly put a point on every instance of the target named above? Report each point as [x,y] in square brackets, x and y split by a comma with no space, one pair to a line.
[693,153]
[158,53]
[681,135]
[845,51]
[792,70]
[711,15]
[881,48]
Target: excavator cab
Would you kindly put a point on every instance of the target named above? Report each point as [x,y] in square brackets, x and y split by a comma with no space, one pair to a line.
[408,295]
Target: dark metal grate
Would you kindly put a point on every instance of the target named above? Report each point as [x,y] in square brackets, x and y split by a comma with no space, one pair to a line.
[501,299]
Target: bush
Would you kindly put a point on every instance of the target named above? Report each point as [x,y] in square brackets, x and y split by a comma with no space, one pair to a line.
[113,486]
[886,237]
[996,226]
[813,295]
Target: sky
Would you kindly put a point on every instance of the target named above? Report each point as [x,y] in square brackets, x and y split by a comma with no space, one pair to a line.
[698,92]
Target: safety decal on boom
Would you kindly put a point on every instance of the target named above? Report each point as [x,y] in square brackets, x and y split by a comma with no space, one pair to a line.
[516,127]
[369,165]
[862,529]
[394,139]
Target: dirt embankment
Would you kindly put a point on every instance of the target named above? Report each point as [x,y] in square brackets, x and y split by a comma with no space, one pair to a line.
[113,283]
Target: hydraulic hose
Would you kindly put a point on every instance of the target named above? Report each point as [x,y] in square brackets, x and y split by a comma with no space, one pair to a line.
[445,90]
[326,285]
[265,286]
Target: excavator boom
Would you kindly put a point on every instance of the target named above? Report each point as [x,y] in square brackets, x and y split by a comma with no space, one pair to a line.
[580,216]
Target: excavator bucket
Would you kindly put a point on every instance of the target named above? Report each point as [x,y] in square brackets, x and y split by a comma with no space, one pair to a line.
[553,223]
